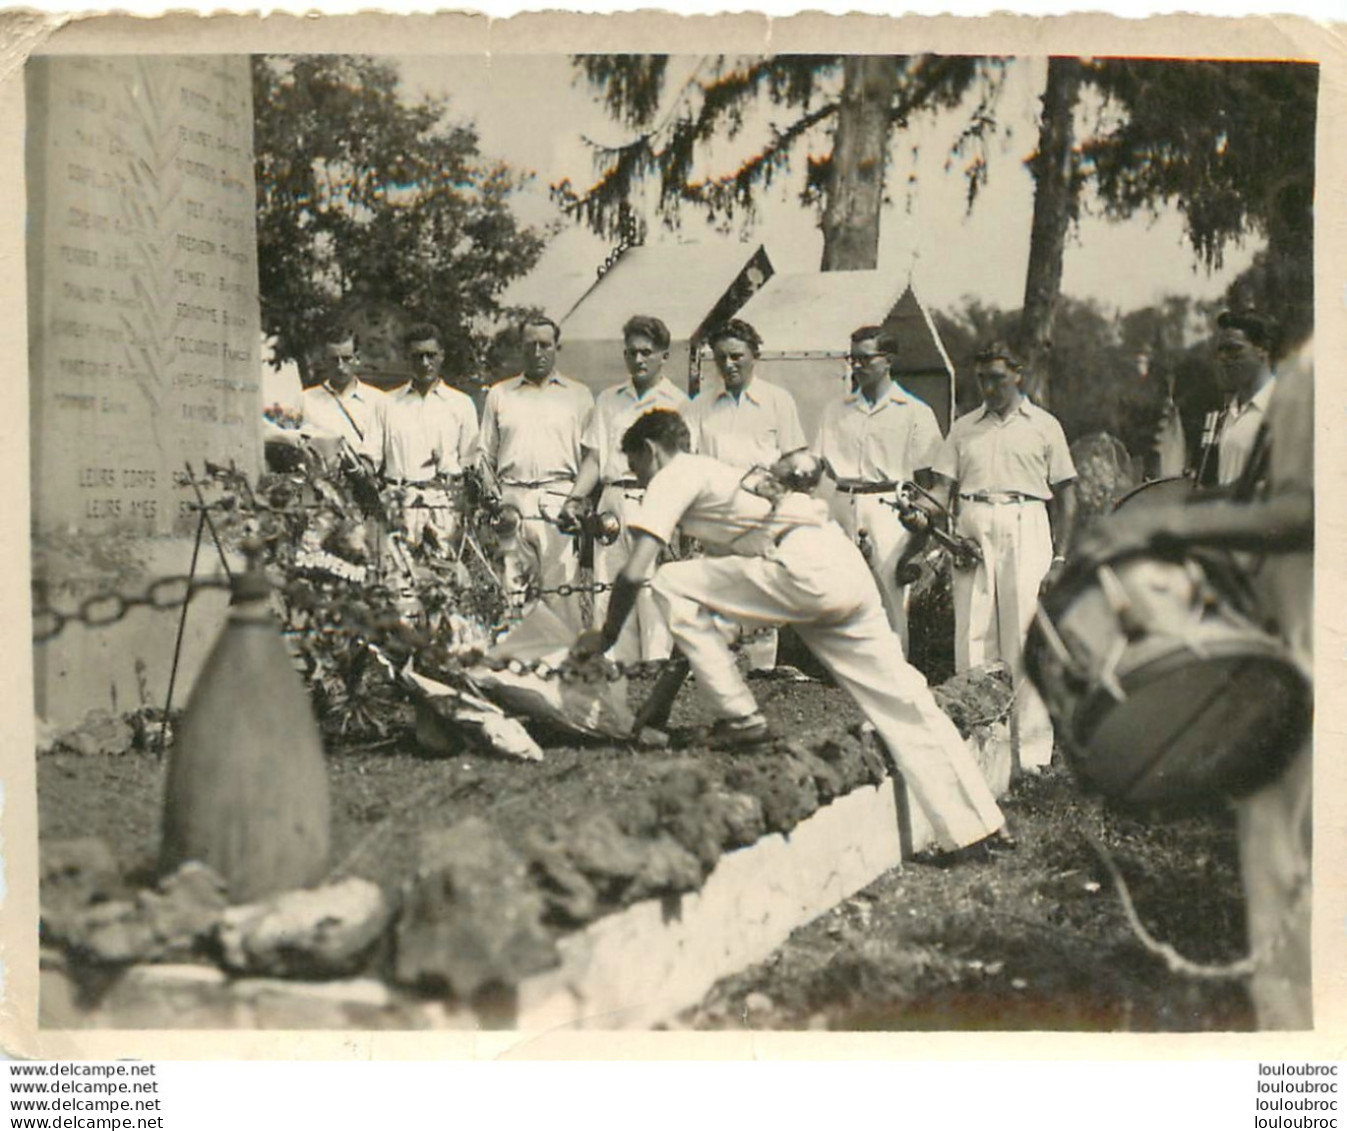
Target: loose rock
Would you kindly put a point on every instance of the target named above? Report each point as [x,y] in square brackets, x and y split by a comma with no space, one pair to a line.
[571,899]
[745,822]
[173,923]
[471,921]
[323,933]
[605,854]
[73,876]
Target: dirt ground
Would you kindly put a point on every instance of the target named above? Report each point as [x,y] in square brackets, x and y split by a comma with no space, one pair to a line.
[1033,940]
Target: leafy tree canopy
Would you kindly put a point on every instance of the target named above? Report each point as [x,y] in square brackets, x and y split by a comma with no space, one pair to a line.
[673,136]
[363,194]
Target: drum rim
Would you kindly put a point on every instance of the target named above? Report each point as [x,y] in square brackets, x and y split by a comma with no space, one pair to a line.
[1297,717]
[1142,487]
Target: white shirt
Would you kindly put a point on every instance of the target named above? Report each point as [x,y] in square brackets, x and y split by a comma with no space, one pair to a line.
[615,410]
[757,429]
[1239,429]
[881,443]
[706,498]
[1025,452]
[426,436]
[355,414]
[531,432]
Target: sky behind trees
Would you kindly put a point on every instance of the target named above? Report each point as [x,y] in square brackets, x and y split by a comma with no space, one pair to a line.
[535,112]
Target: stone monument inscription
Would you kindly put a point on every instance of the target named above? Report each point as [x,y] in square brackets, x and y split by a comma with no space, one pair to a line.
[143,339]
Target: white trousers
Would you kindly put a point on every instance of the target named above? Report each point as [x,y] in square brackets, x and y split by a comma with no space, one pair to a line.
[994,606]
[819,582]
[1275,854]
[645,636]
[888,539]
[432,508]
[539,553]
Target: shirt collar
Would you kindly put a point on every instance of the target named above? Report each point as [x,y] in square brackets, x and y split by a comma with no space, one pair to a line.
[895,393]
[553,378]
[409,389]
[1260,399]
[1021,409]
[660,389]
[351,393]
[749,393]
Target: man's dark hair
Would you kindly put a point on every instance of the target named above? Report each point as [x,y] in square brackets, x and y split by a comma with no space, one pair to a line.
[736,328]
[422,332]
[886,340]
[334,333]
[647,326]
[664,426]
[1261,330]
[540,320]
[998,350]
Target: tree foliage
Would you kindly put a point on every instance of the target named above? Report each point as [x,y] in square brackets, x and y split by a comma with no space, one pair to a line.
[1231,146]
[361,193]
[674,135]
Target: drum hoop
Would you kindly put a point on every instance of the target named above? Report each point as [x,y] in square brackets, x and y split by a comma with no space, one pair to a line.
[1265,648]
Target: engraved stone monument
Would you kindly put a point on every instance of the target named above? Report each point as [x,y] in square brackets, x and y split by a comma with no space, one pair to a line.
[143,350]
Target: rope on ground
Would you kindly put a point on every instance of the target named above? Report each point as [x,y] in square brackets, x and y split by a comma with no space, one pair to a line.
[1176,962]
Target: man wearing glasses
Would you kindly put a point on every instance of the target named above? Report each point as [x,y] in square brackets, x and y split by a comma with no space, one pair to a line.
[872,440]
[645,350]
[430,440]
[1004,463]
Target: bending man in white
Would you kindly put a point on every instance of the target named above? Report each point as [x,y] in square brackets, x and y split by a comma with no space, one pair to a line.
[783,562]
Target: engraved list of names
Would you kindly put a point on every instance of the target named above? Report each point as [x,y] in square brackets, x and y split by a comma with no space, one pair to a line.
[143,315]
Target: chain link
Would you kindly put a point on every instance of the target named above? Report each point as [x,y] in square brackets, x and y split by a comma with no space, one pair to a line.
[103,609]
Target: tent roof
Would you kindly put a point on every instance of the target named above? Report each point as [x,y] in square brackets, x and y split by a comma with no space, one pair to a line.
[816,312]
[680,283]
[561,277]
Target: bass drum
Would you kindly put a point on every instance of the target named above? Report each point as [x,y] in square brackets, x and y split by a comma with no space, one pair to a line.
[1176,490]
[1163,685]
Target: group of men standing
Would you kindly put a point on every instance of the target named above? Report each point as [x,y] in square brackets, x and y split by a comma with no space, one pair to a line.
[553,452]
[672,470]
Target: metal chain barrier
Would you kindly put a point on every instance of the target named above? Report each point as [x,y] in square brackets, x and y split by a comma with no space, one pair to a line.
[103,609]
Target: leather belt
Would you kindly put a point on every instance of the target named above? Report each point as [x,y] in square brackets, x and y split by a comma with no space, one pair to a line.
[861,487]
[438,481]
[535,484]
[1001,497]
[625,484]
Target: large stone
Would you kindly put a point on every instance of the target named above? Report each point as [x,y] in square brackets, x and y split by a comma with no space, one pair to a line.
[691,813]
[75,875]
[845,754]
[783,785]
[745,822]
[471,920]
[570,897]
[668,869]
[327,932]
[170,924]
[608,856]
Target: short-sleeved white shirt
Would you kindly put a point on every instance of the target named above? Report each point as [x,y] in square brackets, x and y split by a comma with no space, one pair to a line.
[757,429]
[705,498]
[531,431]
[615,410]
[355,414]
[1026,452]
[884,442]
[425,436]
